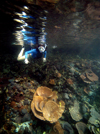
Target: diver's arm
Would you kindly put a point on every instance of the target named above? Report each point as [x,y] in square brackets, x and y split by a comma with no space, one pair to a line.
[26,57]
[27,54]
[21,56]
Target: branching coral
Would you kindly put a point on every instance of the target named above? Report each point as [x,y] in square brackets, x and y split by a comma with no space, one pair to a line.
[45,105]
[93,10]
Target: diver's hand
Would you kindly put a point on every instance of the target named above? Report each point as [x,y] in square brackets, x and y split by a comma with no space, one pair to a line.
[44,59]
[26,61]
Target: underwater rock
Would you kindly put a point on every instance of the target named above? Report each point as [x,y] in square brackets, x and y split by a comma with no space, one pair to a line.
[82,128]
[72,70]
[18,119]
[13,104]
[46,2]
[76,23]
[57,74]
[19,105]
[67,127]
[52,82]
[95,117]
[27,131]
[23,111]
[26,117]
[26,102]
[85,110]
[70,82]
[75,111]
[93,10]
[18,97]
[65,96]
[57,128]
[93,129]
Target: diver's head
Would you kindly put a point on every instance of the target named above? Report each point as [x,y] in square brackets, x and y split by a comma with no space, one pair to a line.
[41,48]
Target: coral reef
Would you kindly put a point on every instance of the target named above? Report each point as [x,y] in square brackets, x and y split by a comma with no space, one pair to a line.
[22,126]
[57,127]
[88,76]
[66,126]
[63,94]
[45,105]
[75,111]
[81,127]
[95,117]
[58,107]
[52,82]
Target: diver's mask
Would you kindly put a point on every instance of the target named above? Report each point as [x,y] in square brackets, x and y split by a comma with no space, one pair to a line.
[41,49]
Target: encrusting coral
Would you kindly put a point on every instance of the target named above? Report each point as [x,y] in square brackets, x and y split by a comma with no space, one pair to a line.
[45,105]
[88,76]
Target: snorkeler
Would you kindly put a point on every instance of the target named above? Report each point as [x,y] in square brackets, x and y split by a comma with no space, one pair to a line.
[35,49]
[38,52]
[32,36]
